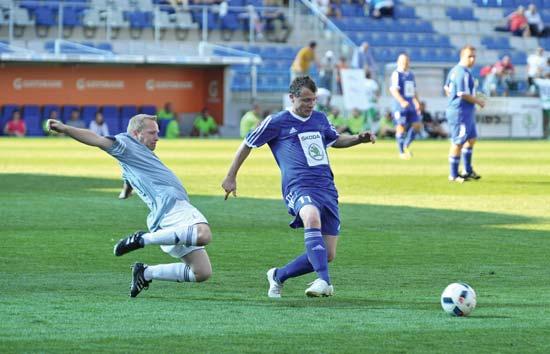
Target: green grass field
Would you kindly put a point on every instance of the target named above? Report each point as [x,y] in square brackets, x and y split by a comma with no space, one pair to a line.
[406,233]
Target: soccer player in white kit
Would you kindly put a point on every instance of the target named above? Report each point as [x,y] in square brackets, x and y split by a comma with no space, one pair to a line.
[174,224]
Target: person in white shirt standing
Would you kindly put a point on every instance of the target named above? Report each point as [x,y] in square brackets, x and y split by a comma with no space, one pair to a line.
[536,64]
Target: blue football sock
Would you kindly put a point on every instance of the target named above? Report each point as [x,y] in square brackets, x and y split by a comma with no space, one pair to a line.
[467,159]
[400,142]
[317,252]
[454,161]
[299,266]
[411,135]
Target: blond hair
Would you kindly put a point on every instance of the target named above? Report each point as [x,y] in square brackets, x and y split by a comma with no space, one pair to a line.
[137,122]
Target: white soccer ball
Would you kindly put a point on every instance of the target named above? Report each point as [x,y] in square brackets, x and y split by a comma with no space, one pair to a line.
[458,299]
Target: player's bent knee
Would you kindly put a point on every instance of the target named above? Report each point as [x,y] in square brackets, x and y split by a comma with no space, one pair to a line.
[203,274]
[204,235]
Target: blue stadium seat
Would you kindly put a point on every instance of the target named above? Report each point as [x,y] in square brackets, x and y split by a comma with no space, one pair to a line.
[163,123]
[139,19]
[112,118]
[45,16]
[72,16]
[31,116]
[88,113]
[404,12]
[148,109]
[230,22]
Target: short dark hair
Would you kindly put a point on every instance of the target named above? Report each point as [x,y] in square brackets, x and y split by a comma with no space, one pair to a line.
[312,44]
[298,83]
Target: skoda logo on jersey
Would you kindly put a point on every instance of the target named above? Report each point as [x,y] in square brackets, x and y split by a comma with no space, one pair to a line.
[315,152]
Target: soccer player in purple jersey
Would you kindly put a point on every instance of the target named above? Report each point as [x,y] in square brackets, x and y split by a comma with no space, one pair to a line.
[460,113]
[405,106]
[298,138]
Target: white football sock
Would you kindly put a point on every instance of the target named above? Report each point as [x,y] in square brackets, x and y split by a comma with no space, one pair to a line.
[185,236]
[179,272]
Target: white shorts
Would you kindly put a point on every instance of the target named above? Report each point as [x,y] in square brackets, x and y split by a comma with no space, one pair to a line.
[181,216]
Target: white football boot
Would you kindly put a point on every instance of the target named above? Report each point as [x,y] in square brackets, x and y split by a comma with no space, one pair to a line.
[319,288]
[275,288]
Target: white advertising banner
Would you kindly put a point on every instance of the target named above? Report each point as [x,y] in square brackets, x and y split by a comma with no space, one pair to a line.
[502,117]
[354,89]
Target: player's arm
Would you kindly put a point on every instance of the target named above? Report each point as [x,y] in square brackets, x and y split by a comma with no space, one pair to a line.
[229,183]
[84,136]
[472,99]
[346,140]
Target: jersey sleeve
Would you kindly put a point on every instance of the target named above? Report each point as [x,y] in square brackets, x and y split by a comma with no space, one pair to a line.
[118,148]
[331,134]
[395,80]
[462,83]
[264,133]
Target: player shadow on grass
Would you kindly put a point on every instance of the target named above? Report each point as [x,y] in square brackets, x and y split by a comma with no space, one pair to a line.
[381,247]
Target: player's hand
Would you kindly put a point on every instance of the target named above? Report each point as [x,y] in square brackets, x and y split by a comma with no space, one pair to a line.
[56,126]
[404,104]
[481,103]
[367,137]
[229,185]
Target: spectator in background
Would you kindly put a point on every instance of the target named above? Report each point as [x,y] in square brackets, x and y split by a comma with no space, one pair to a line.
[15,126]
[536,63]
[342,64]
[373,91]
[363,59]
[356,122]
[517,23]
[432,126]
[326,71]
[302,62]
[204,125]
[543,85]
[500,78]
[386,127]
[338,120]
[534,20]
[75,121]
[323,100]
[278,29]
[166,112]
[99,126]
[172,129]
[250,120]
[328,8]
[381,8]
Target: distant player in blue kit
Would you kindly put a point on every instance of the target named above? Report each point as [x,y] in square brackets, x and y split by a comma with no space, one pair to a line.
[298,138]
[174,224]
[460,114]
[405,106]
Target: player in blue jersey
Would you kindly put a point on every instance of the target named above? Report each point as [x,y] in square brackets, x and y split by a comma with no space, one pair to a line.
[460,114]
[405,106]
[174,224]
[298,138]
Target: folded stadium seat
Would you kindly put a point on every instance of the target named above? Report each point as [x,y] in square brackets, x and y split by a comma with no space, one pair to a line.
[7,111]
[415,54]
[88,113]
[127,112]
[71,17]
[66,112]
[237,2]
[31,116]
[255,3]
[241,82]
[148,109]
[138,21]
[288,52]
[30,6]
[44,18]
[230,22]
[211,19]
[518,58]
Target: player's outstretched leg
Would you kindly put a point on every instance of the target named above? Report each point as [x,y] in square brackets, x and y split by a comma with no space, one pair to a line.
[138,279]
[275,287]
[129,244]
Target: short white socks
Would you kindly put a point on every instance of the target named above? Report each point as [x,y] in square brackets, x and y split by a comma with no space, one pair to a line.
[186,236]
[179,272]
